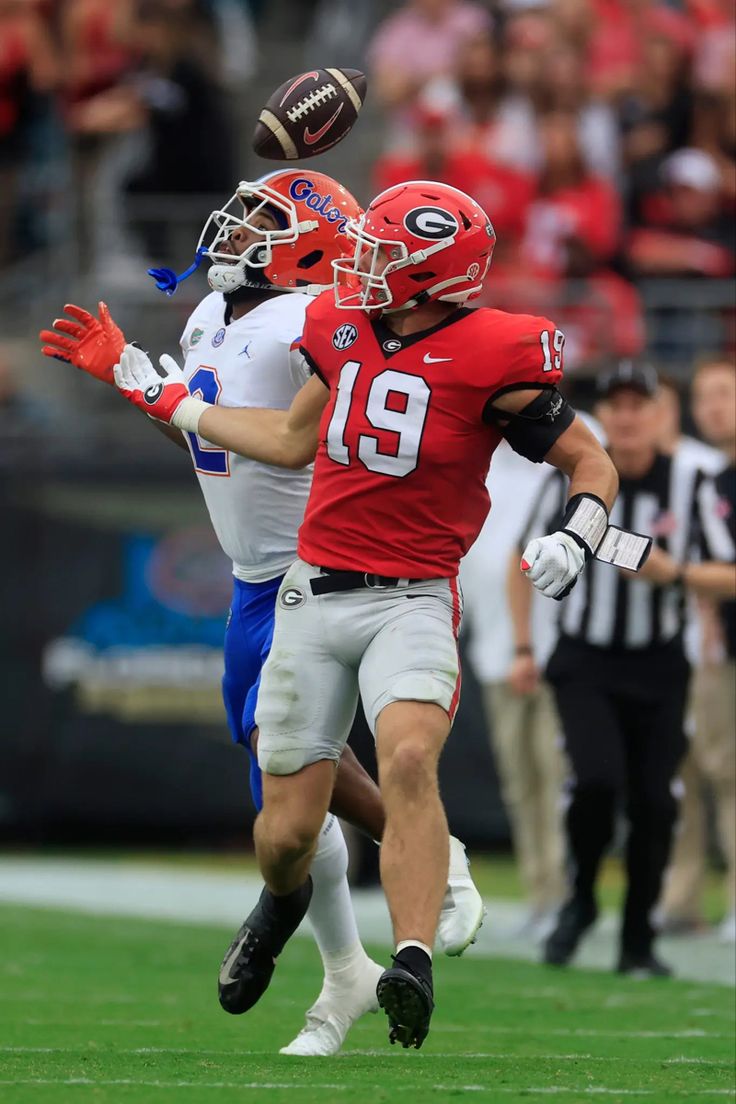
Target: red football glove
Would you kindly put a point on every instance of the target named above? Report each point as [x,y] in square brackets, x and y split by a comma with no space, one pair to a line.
[94,345]
[159,394]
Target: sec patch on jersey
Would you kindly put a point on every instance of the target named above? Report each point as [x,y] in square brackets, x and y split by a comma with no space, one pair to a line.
[309,114]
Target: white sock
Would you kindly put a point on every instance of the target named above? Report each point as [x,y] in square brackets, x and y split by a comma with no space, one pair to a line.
[331,910]
[414,943]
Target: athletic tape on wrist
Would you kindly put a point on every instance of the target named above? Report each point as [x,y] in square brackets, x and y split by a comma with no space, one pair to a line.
[187,414]
[586,519]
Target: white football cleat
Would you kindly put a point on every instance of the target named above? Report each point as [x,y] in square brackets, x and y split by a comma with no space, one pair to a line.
[334,1012]
[462,909]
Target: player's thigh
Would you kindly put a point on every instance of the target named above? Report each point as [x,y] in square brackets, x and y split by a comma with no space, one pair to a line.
[265,639]
[412,655]
[592,733]
[242,667]
[356,797]
[295,805]
[410,736]
[308,696]
[247,637]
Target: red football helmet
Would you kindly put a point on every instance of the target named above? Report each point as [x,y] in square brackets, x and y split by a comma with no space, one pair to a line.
[312,212]
[417,241]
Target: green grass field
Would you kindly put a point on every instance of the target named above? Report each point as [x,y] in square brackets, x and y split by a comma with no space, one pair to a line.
[105,1010]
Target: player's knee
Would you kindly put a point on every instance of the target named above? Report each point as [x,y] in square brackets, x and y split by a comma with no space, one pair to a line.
[410,769]
[291,838]
[297,841]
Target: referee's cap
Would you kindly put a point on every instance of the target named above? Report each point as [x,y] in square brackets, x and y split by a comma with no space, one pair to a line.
[628,375]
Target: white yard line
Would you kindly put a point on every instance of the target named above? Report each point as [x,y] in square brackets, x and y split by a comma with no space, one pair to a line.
[577,1032]
[495,1056]
[292,1086]
[123,889]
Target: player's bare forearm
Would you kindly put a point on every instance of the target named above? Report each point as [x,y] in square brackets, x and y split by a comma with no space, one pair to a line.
[578,454]
[258,434]
[285,438]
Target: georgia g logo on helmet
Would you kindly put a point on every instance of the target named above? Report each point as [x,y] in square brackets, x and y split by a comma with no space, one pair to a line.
[433,223]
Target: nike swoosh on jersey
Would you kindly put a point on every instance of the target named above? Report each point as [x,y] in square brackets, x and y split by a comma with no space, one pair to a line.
[310,138]
[429,359]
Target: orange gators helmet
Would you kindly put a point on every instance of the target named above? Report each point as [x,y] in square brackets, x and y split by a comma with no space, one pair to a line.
[312,212]
[417,241]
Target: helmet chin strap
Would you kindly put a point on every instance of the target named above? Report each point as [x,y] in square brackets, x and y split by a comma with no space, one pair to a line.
[246,293]
[418,257]
[252,288]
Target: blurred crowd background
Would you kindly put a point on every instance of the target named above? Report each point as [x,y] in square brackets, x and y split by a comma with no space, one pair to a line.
[600,135]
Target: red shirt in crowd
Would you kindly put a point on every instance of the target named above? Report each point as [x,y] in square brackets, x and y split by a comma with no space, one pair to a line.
[589,211]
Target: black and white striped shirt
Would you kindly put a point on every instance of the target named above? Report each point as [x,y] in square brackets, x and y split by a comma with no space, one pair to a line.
[611,609]
[716,506]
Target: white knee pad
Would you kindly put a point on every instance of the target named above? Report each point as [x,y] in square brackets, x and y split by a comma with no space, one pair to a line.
[281,760]
[279,754]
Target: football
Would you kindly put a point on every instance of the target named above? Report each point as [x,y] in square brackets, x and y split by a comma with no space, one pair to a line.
[309,114]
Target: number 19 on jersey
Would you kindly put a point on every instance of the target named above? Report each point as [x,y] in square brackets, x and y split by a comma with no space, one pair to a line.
[397,403]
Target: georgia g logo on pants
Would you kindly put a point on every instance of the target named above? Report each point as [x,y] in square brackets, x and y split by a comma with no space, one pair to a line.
[433,223]
[291,598]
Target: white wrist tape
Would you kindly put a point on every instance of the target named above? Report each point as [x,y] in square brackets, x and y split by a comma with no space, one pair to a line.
[588,521]
[187,414]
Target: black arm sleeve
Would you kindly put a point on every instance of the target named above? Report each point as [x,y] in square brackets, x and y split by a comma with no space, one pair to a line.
[533,430]
[313,365]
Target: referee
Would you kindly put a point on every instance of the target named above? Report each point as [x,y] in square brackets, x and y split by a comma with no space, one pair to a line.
[620,676]
[712,755]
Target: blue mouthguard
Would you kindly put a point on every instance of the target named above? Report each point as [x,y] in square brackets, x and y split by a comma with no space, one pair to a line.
[167,280]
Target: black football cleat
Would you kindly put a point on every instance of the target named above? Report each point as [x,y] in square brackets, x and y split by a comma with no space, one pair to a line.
[645,965]
[250,960]
[408,1002]
[574,919]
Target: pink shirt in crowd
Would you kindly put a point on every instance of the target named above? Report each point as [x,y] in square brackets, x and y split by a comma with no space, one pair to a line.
[423,47]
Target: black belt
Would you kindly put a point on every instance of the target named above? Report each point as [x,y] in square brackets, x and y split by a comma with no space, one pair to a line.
[331,581]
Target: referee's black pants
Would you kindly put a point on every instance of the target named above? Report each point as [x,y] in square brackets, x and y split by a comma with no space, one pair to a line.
[622,715]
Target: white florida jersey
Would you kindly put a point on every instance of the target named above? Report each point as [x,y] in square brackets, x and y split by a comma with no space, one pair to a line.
[255,509]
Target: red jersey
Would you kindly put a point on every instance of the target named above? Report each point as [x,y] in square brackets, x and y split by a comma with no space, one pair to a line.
[399,482]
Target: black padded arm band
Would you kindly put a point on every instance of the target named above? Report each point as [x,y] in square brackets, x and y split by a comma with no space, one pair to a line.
[533,430]
[314,369]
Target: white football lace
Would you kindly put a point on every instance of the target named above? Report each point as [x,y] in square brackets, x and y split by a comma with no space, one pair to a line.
[314,99]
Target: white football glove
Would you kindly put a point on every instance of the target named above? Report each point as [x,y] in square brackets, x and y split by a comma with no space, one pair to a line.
[163,395]
[553,563]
